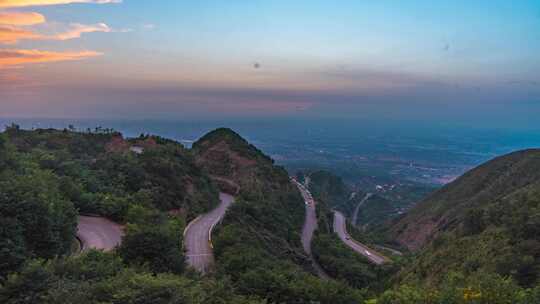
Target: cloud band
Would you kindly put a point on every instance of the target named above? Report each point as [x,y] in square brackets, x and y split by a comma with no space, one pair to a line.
[17,57]
[24,3]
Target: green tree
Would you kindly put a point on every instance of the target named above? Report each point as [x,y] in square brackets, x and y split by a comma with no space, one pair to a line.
[156,247]
[12,245]
[29,286]
[46,221]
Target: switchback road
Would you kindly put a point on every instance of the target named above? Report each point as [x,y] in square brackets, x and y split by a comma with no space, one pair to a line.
[98,233]
[198,236]
[310,225]
[341,230]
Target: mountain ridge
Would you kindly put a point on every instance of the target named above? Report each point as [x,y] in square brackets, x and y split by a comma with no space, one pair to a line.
[487,182]
[487,221]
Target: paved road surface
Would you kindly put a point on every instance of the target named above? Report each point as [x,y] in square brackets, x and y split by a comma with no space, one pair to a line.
[310,225]
[355,214]
[341,230]
[98,233]
[197,236]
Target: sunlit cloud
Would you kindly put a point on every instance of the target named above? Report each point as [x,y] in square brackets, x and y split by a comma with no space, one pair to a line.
[21,18]
[11,34]
[9,57]
[77,30]
[16,26]
[23,3]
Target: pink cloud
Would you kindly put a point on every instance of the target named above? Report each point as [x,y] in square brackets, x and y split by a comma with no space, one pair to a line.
[21,18]
[77,30]
[9,57]
[11,34]
[23,3]
[16,26]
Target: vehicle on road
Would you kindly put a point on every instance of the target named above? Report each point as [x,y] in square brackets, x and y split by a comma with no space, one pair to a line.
[341,230]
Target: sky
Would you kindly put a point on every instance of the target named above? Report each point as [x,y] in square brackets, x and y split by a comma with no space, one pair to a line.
[470,62]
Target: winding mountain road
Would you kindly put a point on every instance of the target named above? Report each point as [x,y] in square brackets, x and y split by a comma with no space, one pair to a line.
[357,209]
[341,230]
[310,225]
[198,236]
[98,233]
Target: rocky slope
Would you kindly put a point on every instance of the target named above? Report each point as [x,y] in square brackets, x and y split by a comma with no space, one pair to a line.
[230,160]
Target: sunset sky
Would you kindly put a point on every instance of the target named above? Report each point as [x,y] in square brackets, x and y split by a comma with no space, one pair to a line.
[176,59]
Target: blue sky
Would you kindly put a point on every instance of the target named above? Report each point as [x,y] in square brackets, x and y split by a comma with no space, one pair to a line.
[308,58]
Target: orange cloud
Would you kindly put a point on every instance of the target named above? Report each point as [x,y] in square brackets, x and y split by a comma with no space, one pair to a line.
[13,28]
[23,3]
[11,34]
[21,18]
[10,57]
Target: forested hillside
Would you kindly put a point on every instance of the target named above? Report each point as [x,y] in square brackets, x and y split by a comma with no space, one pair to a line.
[342,263]
[48,177]
[475,191]
[153,186]
[100,174]
[483,227]
[485,251]
[375,211]
[231,161]
[332,190]
[478,242]
[258,244]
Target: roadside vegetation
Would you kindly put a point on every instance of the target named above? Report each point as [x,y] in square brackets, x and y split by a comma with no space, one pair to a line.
[484,247]
[488,254]
[375,211]
[258,244]
[48,177]
[97,277]
[339,261]
[330,189]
